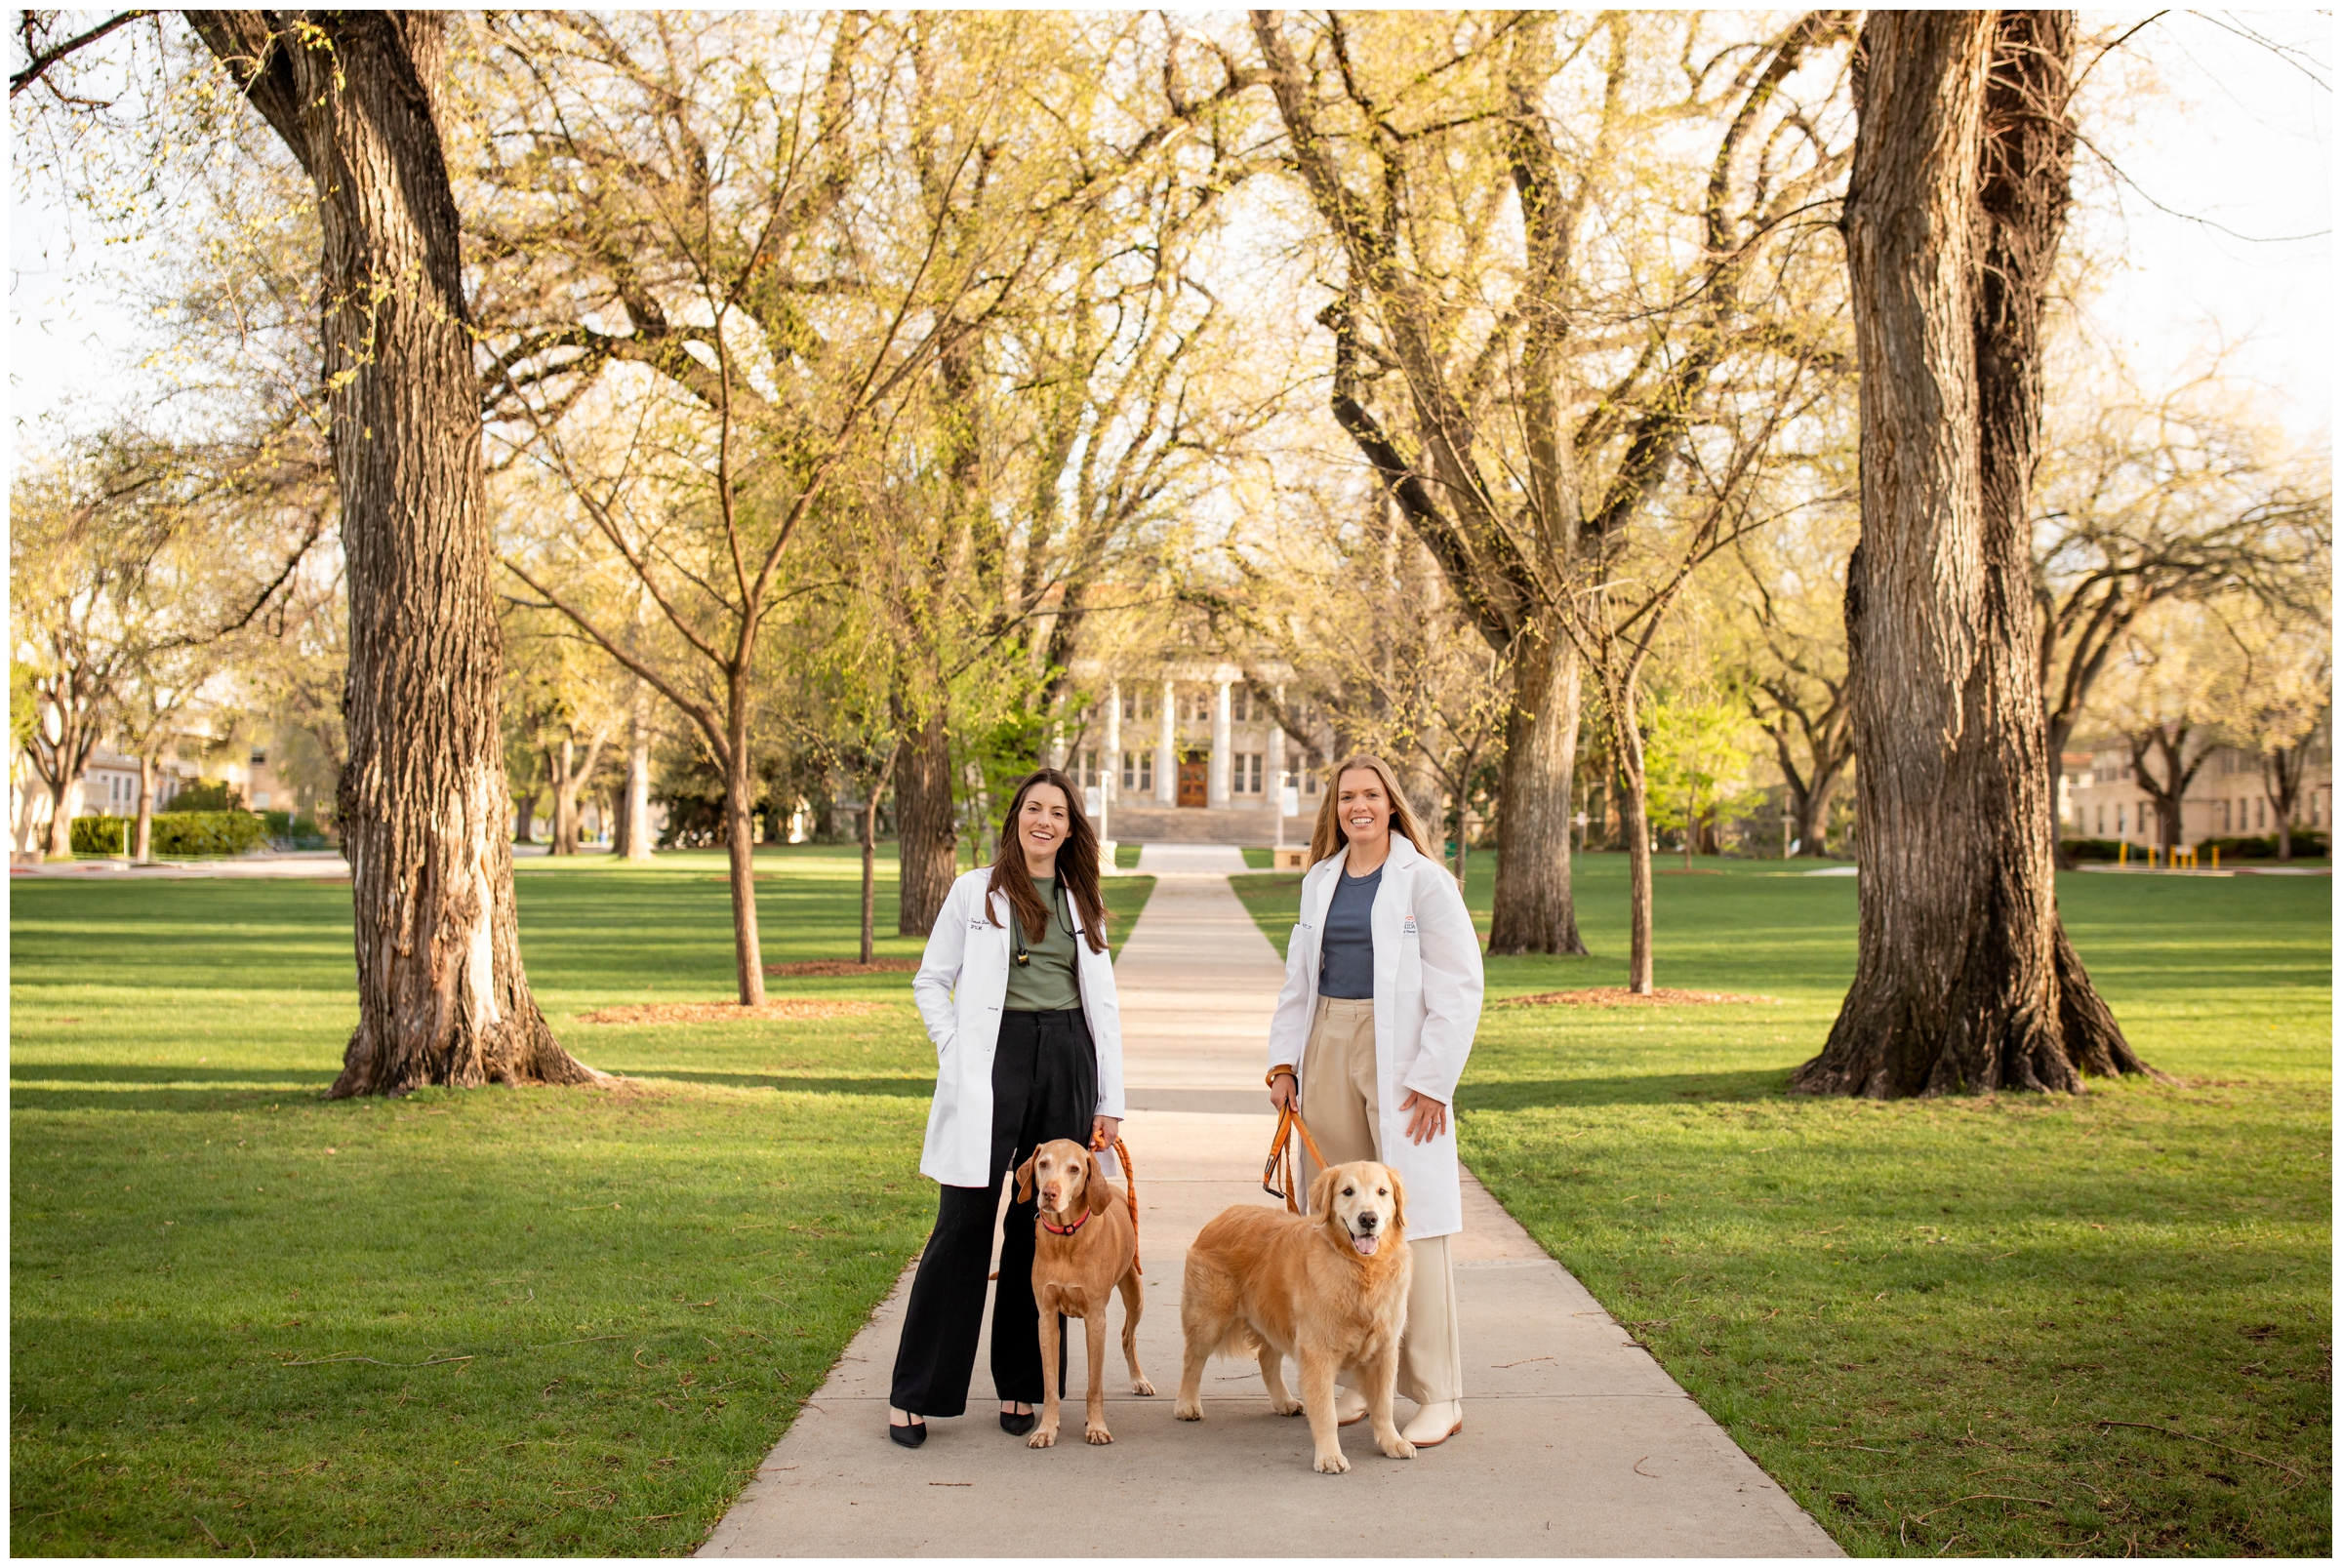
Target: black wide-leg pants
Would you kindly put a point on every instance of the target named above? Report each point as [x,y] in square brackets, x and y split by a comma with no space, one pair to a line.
[1044,1086]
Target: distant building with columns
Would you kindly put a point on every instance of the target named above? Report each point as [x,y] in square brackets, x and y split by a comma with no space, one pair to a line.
[1186,750]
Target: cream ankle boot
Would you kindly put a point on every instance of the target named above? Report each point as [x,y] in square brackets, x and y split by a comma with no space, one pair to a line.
[1435,1424]
[1349,1405]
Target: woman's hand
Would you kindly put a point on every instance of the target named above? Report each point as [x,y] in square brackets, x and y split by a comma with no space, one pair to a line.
[1104,1130]
[1284,1093]
[1429,1119]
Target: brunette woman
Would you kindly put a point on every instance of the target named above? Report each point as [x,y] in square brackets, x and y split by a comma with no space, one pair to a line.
[1018,993]
[1382,998]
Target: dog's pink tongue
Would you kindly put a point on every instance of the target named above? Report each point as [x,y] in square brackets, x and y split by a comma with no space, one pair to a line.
[1366,1245]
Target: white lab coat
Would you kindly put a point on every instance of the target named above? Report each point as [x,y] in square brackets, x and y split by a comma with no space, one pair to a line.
[961,985]
[1427,1007]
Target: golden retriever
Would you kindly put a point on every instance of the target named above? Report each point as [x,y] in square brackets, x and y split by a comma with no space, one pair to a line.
[1083,1249]
[1328,1288]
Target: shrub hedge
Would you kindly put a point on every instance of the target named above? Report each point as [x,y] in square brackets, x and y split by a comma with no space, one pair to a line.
[177,835]
[294,833]
[2305,843]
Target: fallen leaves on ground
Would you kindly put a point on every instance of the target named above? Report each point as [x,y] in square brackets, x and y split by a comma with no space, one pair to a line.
[1620,996]
[777,1010]
[842,968]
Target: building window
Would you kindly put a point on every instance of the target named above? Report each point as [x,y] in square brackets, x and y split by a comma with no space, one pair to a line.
[260,758]
[2100,829]
[1239,704]
[1138,770]
[1307,768]
[1245,777]
[1089,770]
[2260,812]
[1137,703]
[2120,829]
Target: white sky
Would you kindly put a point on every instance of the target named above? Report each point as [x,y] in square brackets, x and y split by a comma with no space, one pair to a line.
[2230,133]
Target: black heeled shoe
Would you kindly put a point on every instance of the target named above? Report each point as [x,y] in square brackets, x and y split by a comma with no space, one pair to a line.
[1016,1426]
[910,1434]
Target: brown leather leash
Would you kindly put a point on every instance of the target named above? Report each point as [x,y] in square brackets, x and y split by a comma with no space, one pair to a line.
[1282,1182]
[1130,1191]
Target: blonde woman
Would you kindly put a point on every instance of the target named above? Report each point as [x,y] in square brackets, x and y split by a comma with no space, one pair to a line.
[1382,998]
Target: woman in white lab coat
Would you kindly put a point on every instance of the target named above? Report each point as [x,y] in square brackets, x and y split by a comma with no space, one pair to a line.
[1381,1000]
[1017,989]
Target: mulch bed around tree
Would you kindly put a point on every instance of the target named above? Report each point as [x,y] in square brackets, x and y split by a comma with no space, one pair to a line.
[1620,996]
[777,1010]
[842,968]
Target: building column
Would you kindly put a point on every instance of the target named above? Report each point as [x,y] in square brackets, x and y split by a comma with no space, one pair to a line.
[1218,793]
[1111,784]
[1166,757]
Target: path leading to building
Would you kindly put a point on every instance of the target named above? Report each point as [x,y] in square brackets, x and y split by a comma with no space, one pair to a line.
[1575,1442]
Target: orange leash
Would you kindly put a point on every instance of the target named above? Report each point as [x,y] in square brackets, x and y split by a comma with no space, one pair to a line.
[1278,1178]
[1130,1191]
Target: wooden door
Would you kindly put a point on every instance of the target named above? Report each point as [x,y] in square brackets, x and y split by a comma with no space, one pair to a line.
[1194,782]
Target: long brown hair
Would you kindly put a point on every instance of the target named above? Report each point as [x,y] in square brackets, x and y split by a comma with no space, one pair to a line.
[1076,866]
[1327,840]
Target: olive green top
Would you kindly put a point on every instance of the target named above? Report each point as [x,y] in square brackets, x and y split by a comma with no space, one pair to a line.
[1046,982]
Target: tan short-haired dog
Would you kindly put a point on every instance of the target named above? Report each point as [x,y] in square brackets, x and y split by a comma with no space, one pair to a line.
[1328,1288]
[1084,1248]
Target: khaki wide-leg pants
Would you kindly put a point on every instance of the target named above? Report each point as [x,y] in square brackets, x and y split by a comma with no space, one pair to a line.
[1339,1093]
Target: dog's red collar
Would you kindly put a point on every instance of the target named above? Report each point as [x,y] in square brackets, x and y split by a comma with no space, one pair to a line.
[1063,1229]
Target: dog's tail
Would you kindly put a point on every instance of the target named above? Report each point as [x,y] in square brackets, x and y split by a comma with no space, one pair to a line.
[1240,1343]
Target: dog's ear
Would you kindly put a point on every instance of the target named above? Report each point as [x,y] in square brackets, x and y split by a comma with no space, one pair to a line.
[1322,1192]
[1398,1204]
[1099,1196]
[1024,1179]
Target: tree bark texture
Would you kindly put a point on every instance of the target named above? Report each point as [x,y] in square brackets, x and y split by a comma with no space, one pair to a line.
[443,996]
[926,843]
[1533,909]
[1964,979]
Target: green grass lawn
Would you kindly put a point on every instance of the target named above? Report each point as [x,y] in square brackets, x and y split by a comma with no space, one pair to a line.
[496,1321]
[1918,1315]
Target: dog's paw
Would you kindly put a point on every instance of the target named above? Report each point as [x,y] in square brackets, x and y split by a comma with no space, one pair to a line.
[1188,1410]
[1097,1436]
[1142,1387]
[1397,1448]
[1042,1437]
[1289,1407]
[1332,1463]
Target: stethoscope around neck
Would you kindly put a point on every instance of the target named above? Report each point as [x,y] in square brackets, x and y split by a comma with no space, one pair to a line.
[1059,905]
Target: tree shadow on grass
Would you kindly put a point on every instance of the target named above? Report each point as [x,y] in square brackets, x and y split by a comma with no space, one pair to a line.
[144,1072]
[182,1101]
[1652,1089]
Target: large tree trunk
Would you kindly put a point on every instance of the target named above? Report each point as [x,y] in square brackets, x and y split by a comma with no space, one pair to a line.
[443,996]
[634,838]
[926,844]
[1963,980]
[1634,820]
[562,764]
[740,842]
[1533,909]
[145,839]
[870,866]
[60,820]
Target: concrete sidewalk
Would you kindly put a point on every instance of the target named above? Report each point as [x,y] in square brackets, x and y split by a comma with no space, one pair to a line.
[1575,1443]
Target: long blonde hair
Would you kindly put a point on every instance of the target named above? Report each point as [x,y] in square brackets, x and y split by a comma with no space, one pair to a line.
[1327,840]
